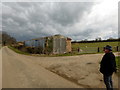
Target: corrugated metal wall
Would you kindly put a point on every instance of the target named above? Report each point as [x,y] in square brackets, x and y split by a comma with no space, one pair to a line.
[63,45]
[55,44]
[41,43]
[28,43]
[59,45]
[35,43]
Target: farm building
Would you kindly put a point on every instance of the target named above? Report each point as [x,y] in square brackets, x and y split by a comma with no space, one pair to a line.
[56,44]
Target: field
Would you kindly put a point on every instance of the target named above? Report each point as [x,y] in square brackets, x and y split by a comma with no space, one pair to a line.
[92,47]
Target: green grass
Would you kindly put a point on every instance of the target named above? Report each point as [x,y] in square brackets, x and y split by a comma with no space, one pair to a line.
[17,51]
[0,46]
[43,55]
[118,64]
[72,54]
[46,55]
[93,47]
[87,48]
[96,44]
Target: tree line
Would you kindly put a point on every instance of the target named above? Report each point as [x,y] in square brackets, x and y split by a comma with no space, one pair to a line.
[97,40]
[6,39]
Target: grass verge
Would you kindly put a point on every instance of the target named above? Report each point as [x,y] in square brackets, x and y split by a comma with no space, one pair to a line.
[0,46]
[18,51]
[118,64]
[46,55]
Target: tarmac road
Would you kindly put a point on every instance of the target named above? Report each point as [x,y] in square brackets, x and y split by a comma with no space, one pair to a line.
[19,72]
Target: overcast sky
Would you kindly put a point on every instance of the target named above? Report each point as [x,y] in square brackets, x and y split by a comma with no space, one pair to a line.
[79,21]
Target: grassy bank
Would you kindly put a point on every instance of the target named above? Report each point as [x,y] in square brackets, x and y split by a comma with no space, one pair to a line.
[18,51]
[87,48]
[118,64]
[43,55]
[0,46]
[51,55]
[46,55]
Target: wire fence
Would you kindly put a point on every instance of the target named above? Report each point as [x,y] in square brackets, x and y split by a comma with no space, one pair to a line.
[94,49]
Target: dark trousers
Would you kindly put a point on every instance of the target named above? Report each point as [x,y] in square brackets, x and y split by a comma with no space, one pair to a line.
[108,81]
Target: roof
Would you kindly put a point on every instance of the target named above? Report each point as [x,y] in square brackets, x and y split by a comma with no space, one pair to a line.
[69,38]
[57,35]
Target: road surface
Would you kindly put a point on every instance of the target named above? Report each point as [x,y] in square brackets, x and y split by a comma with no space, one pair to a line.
[22,71]
[19,72]
[0,68]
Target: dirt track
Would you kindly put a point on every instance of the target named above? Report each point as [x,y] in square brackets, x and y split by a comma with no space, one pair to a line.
[21,71]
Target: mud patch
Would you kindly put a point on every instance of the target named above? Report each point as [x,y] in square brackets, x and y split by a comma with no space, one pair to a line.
[75,73]
[69,78]
[89,63]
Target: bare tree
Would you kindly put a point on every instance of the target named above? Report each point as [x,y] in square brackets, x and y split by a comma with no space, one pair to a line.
[7,39]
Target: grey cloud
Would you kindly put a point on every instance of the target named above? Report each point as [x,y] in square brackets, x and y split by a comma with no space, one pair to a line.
[27,20]
[69,13]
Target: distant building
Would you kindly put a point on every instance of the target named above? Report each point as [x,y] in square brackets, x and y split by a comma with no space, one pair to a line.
[56,44]
[20,43]
[68,45]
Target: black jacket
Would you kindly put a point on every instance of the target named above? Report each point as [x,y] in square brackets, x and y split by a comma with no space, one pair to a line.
[108,64]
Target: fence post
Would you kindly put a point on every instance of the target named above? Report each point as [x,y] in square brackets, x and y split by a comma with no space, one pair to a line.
[117,48]
[78,49]
[98,49]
